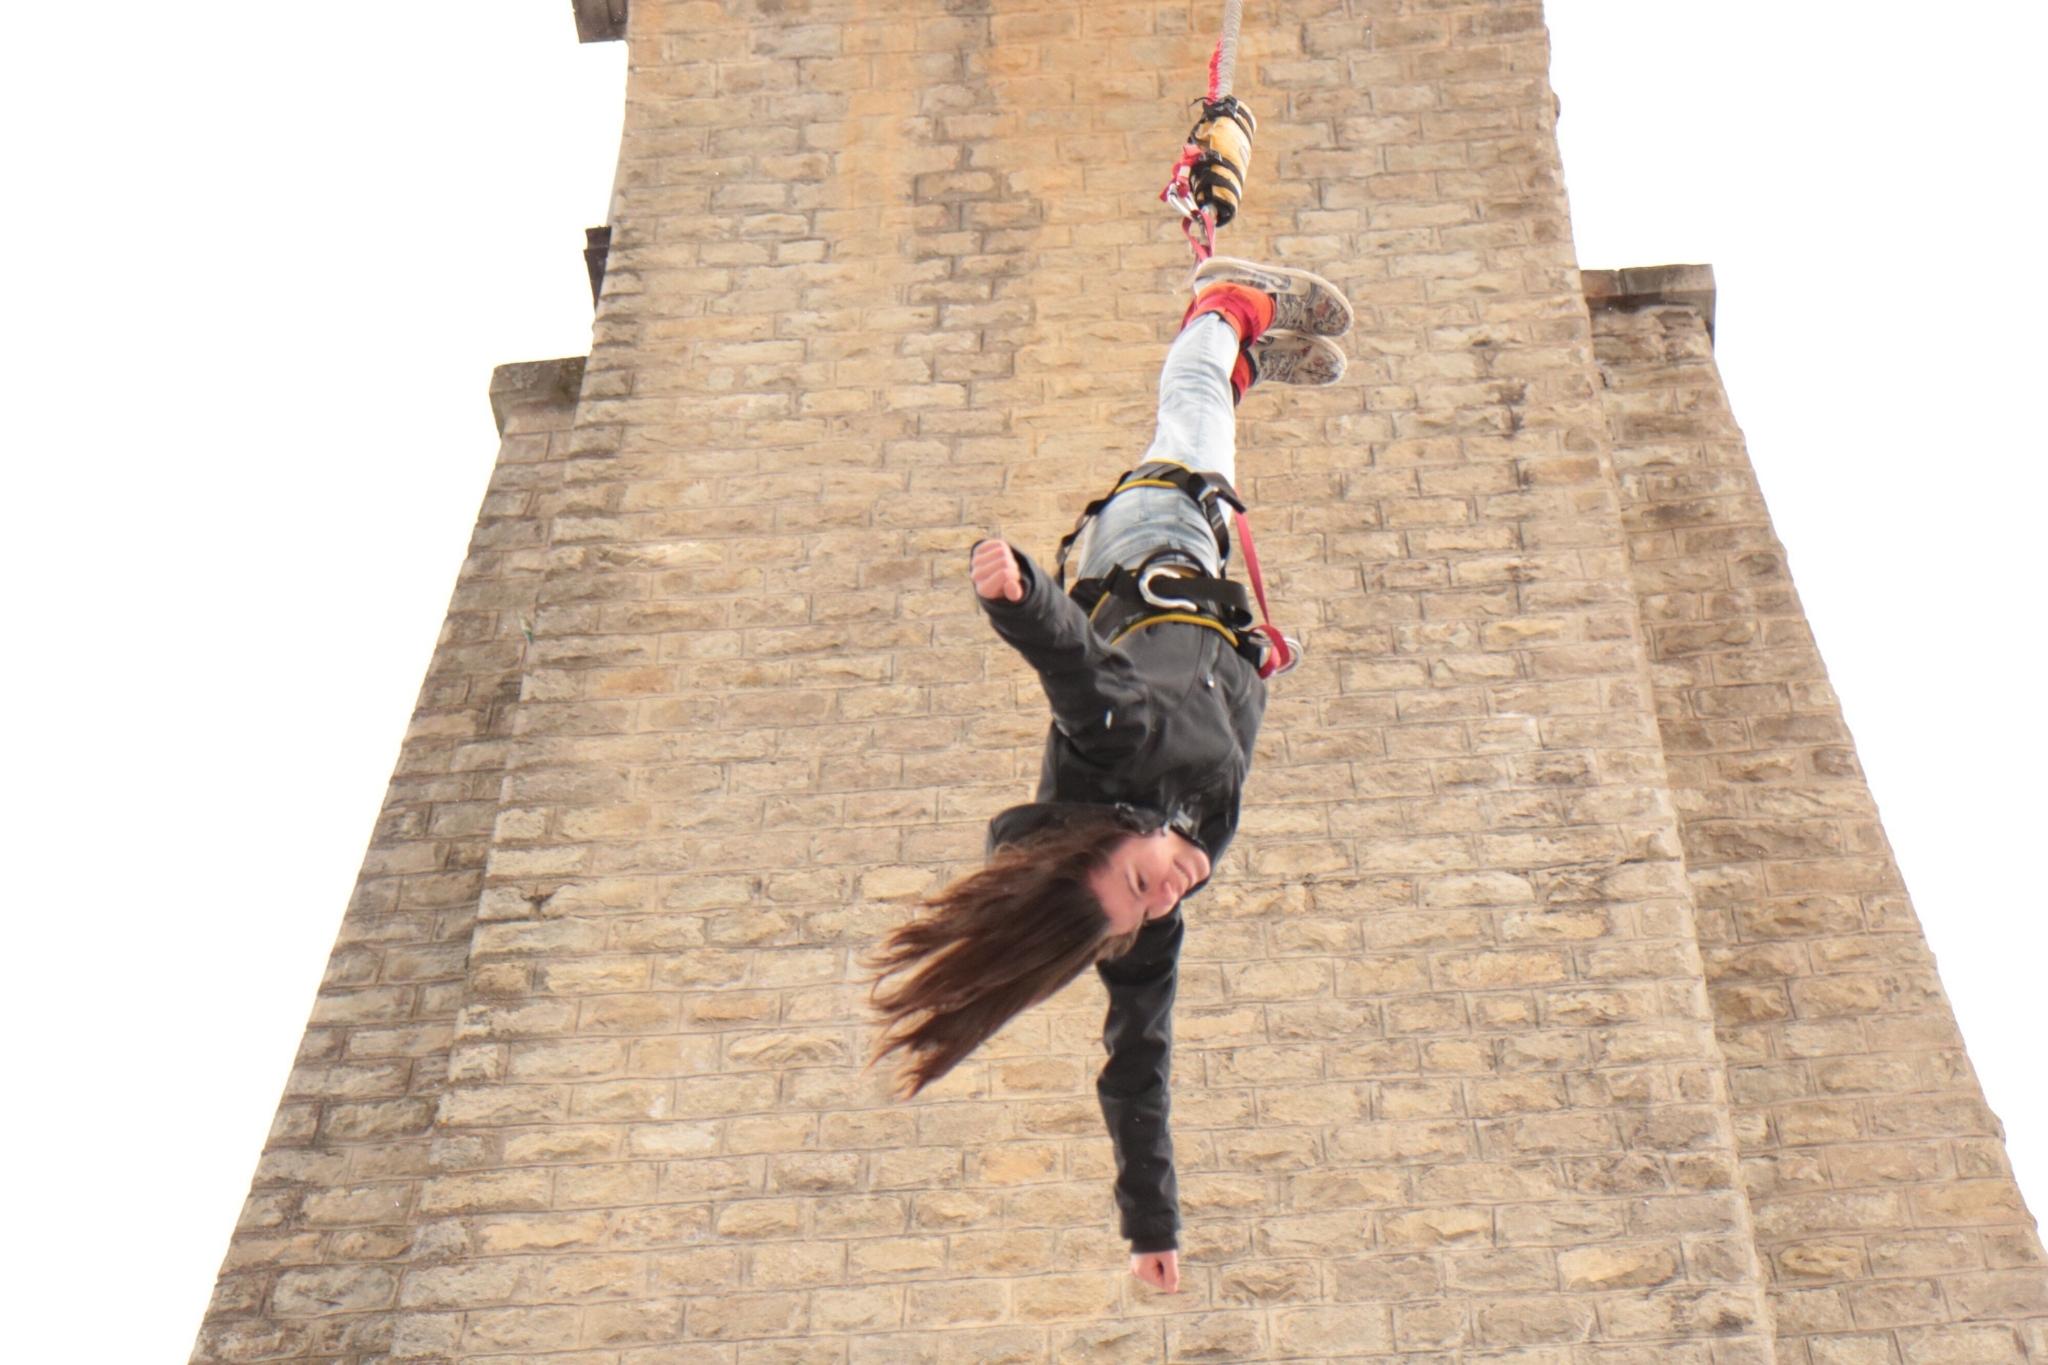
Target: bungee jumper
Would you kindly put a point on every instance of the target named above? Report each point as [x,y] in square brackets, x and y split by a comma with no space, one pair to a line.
[1156,669]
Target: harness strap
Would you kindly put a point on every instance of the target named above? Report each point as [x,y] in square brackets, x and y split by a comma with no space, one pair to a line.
[1157,587]
[1164,588]
[1284,651]
[1207,490]
[1195,189]
[1236,641]
[1122,601]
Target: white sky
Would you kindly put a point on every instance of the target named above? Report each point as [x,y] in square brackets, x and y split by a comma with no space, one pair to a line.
[261,260]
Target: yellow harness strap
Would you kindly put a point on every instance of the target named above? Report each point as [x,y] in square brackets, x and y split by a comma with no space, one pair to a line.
[1182,617]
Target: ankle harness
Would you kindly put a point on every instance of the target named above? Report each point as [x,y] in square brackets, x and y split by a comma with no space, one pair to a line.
[1224,136]
[1166,587]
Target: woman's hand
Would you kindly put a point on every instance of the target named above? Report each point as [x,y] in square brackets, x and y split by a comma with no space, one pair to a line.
[996,573]
[1160,1269]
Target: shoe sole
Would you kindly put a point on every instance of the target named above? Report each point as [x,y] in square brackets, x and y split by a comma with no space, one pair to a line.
[1298,358]
[1302,302]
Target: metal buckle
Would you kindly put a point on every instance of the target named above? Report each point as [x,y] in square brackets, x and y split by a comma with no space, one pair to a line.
[1180,198]
[1293,657]
[1168,603]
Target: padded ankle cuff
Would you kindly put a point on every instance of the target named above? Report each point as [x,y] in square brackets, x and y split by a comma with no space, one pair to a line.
[1243,375]
[1250,312]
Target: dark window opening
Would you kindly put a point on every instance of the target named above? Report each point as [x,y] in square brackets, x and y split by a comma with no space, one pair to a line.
[597,244]
[600,21]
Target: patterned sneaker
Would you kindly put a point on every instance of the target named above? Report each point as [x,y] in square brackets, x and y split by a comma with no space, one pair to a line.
[1301,302]
[1297,358]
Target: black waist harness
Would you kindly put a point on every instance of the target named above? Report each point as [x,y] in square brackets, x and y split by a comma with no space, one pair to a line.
[1165,587]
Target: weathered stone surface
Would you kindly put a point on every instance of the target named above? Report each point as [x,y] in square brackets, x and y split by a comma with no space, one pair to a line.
[1854,1110]
[349,1166]
[1560,969]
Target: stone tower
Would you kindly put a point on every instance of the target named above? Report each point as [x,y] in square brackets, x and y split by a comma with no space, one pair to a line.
[1559,1002]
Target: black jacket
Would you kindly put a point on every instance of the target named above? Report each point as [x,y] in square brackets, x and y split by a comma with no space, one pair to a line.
[1162,725]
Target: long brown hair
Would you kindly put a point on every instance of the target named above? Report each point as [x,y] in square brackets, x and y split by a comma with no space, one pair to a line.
[993,944]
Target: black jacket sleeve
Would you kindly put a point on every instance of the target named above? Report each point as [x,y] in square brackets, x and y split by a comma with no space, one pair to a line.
[1133,1086]
[1098,700]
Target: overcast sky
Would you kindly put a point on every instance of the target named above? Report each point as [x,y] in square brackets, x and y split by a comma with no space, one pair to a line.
[261,260]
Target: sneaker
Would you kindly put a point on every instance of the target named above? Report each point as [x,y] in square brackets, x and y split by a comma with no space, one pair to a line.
[1297,358]
[1301,302]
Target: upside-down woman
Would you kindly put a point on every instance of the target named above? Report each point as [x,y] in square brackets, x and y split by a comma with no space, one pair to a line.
[1154,677]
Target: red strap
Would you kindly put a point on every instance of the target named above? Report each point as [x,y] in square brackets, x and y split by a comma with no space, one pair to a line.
[1198,224]
[1280,654]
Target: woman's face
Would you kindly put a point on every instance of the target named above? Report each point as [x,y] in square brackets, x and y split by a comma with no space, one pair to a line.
[1146,876]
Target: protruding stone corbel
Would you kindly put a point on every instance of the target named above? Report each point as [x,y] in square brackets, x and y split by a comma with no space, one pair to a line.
[1647,286]
[555,383]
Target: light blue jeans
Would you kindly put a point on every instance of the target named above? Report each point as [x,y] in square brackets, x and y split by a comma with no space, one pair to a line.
[1197,428]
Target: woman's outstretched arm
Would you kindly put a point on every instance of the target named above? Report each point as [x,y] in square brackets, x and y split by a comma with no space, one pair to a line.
[1133,1087]
[1097,699]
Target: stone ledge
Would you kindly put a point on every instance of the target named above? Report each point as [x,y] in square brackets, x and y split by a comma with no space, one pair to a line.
[523,382]
[1648,286]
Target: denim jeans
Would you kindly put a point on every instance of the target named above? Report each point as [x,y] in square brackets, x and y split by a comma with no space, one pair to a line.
[1197,428]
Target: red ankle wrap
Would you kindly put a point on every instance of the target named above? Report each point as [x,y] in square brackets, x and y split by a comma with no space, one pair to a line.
[1243,375]
[1249,311]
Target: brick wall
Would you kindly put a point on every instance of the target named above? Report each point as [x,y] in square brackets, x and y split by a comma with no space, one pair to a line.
[1883,1202]
[313,1269]
[883,281]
